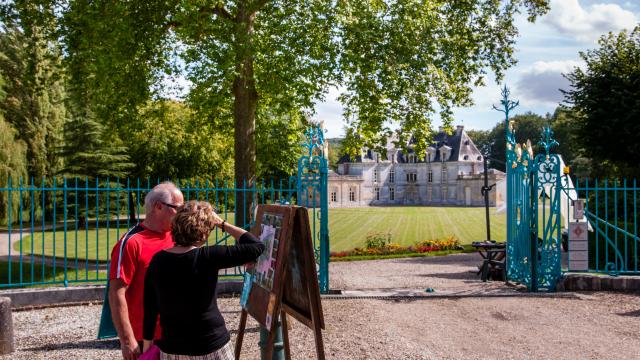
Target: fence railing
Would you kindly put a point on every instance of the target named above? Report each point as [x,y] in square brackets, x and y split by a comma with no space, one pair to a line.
[611,207]
[62,231]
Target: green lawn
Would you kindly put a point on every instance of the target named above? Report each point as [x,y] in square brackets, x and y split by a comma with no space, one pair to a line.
[39,274]
[348,229]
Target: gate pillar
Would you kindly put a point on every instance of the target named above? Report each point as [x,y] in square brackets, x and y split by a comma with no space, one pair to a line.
[313,171]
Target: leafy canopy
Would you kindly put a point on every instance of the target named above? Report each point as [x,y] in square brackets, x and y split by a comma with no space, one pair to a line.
[606,97]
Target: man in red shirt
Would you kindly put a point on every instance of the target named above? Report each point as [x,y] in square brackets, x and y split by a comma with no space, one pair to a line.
[130,259]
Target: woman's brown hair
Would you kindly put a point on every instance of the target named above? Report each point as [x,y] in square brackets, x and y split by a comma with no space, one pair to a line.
[192,223]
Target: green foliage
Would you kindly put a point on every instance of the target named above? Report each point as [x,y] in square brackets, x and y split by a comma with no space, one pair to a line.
[13,165]
[278,148]
[403,61]
[377,240]
[88,153]
[605,96]
[30,64]
[171,142]
[336,150]
[528,126]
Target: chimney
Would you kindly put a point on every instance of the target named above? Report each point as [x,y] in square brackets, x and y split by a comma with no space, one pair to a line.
[459,129]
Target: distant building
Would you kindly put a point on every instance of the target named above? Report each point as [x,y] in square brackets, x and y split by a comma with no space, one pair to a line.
[451,174]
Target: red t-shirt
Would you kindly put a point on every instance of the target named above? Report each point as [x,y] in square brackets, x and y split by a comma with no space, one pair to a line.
[130,259]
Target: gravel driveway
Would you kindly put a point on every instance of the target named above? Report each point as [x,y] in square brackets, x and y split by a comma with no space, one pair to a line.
[462,319]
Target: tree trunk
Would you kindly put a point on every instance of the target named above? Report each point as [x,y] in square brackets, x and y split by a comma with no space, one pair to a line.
[244,114]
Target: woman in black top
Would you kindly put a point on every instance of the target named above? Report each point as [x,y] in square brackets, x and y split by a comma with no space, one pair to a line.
[180,284]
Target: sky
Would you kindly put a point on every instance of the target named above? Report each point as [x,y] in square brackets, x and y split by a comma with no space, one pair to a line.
[545,50]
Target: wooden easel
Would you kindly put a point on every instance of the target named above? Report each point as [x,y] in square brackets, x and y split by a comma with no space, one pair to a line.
[295,292]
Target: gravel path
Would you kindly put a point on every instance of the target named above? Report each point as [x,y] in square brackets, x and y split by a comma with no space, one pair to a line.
[463,319]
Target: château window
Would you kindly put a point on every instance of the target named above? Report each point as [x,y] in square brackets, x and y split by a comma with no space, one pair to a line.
[412,177]
[392,176]
[334,196]
[430,176]
[392,193]
[444,174]
[352,194]
[375,175]
[377,193]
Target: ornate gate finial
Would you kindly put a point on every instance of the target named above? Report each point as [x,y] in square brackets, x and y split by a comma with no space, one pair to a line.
[507,106]
[548,140]
[315,138]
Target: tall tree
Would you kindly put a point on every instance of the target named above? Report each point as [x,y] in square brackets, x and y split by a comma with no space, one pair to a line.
[170,141]
[606,97]
[34,103]
[13,164]
[89,153]
[400,60]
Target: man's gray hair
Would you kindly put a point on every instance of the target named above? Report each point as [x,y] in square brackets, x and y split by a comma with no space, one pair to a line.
[160,193]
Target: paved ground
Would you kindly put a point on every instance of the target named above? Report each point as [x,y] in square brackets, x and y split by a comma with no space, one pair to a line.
[4,242]
[463,319]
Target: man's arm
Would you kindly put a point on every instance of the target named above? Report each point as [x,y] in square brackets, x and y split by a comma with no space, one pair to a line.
[120,315]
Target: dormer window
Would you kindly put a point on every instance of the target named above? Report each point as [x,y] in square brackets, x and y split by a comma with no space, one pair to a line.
[445,153]
[479,158]
[466,157]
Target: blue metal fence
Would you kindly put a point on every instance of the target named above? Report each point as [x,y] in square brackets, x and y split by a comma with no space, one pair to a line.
[611,207]
[61,231]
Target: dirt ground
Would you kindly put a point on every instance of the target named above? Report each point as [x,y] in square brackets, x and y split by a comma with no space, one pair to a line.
[463,318]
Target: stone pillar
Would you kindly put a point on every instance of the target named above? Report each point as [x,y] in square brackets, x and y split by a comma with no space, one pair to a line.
[6,327]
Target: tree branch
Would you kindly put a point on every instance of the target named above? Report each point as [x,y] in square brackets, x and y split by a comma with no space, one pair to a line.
[218,10]
[257,5]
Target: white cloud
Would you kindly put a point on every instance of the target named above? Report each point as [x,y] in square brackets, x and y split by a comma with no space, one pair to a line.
[330,111]
[588,24]
[541,82]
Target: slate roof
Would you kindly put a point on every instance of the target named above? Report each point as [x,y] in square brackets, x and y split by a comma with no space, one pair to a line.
[459,142]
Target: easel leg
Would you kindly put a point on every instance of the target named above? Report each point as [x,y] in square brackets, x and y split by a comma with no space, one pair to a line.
[285,335]
[268,349]
[241,327]
[317,332]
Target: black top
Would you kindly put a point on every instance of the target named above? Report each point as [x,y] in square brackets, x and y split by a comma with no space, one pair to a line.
[181,288]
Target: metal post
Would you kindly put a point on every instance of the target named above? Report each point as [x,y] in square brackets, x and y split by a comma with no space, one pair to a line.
[278,343]
[533,219]
[485,193]
[324,228]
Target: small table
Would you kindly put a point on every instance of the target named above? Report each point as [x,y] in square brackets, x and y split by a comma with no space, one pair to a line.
[493,258]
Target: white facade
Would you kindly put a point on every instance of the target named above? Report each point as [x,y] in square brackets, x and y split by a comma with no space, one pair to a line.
[454,177]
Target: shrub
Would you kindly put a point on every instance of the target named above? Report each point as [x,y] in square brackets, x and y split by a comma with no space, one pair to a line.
[380,244]
[377,240]
[450,243]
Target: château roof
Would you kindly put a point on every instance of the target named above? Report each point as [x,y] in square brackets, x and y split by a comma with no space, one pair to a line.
[462,149]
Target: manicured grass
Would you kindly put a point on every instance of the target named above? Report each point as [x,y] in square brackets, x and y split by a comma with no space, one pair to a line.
[39,275]
[348,229]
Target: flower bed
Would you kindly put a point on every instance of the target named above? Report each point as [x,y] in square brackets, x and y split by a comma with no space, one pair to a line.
[379,244]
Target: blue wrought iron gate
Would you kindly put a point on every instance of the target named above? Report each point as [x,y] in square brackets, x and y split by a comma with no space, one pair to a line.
[312,193]
[533,209]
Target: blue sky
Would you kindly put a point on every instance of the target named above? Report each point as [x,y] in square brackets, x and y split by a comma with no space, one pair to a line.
[544,50]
